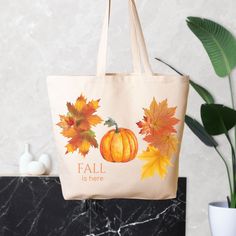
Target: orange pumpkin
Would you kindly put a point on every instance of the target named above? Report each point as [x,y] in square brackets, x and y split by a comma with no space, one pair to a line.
[118,145]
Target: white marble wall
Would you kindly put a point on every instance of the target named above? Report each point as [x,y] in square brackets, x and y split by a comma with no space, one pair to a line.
[43,37]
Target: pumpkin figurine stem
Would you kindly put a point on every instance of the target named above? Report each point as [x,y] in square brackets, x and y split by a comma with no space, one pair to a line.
[110,122]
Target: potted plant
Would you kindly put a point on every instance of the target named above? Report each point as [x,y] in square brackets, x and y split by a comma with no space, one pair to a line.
[217,119]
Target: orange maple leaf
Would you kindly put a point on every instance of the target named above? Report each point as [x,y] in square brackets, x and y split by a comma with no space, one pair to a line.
[83,113]
[82,142]
[77,125]
[166,144]
[158,119]
[155,163]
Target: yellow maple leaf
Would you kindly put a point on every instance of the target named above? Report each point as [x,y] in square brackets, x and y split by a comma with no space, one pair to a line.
[80,103]
[84,147]
[155,163]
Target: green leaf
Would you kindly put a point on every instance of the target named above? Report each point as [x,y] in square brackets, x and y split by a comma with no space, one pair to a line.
[219,43]
[205,94]
[217,119]
[200,132]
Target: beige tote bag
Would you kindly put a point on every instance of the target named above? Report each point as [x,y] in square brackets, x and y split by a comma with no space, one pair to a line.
[119,135]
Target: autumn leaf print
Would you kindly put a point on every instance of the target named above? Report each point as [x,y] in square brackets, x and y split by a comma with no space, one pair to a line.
[77,125]
[158,119]
[155,163]
[167,143]
[158,129]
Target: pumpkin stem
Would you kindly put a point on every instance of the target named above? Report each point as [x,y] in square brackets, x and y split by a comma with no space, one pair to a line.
[110,122]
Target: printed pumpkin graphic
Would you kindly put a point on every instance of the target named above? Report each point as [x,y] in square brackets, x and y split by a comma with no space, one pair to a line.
[119,144]
[77,125]
[158,129]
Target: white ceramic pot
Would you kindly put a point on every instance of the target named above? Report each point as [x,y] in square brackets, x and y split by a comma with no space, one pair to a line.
[222,219]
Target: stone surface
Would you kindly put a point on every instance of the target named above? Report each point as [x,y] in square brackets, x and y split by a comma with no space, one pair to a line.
[35,206]
[43,37]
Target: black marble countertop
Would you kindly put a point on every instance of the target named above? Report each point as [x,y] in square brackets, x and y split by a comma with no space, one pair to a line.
[35,206]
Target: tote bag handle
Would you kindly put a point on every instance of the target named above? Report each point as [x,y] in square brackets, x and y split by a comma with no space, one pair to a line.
[139,50]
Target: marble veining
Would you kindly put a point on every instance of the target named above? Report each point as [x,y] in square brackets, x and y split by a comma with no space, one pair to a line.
[35,206]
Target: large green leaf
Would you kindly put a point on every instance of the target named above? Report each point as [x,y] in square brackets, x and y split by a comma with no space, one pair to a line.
[200,132]
[205,94]
[219,43]
[217,119]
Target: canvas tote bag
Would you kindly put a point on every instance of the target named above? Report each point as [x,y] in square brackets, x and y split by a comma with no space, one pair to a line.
[119,135]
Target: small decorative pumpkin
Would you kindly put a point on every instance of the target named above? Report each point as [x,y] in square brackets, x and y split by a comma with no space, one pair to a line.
[119,144]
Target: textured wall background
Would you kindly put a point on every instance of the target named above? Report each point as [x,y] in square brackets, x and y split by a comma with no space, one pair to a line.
[43,37]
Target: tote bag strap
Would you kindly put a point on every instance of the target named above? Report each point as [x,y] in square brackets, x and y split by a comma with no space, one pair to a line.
[140,39]
[139,50]
[137,64]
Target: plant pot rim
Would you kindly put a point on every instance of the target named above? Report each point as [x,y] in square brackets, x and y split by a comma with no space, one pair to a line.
[222,205]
